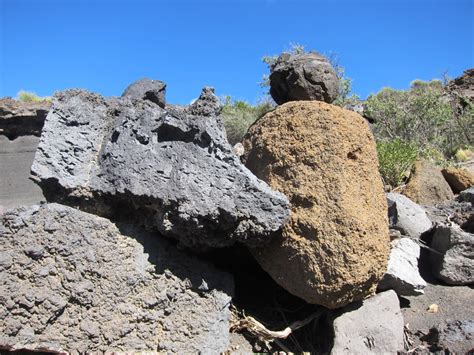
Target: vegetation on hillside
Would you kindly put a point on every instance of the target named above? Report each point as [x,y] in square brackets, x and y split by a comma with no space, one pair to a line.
[28,96]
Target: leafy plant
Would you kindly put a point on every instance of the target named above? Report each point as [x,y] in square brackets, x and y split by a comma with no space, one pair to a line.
[396,159]
[27,96]
[238,116]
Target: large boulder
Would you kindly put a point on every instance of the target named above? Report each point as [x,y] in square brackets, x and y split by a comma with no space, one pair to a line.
[335,246]
[75,282]
[453,256]
[171,171]
[459,179]
[467,195]
[402,273]
[16,157]
[305,76]
[407,216]
[18,118]
[147,89]
[373,327]
[427,185]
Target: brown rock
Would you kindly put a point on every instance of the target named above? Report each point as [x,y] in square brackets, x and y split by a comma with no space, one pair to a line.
[334,248]
[18,118]
[459,179]
[427,185]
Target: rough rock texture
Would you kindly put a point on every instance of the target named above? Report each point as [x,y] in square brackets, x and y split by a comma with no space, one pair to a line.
[207,104]
[335,247]
[463,86]
[427,185]
[375,327]
[147,89]
[307,76]
[19,118]
[72,281]
[402,273]
[174,173]
[459,212]
[467,195]
[459,179]
[454,262]
[406,216]
[453,338]
[16,157]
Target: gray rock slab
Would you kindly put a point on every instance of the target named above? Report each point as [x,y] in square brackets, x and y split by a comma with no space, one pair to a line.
[467,195]
[375,327]
[402,273]
[75,282]
[16,157]
[407,216]
[172,171]
[454,261]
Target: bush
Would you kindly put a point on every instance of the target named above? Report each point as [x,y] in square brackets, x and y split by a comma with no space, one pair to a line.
[396,159]
[238,116]
[26,96]
[422,115]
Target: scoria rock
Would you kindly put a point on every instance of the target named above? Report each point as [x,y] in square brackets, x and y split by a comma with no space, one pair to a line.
[459,179]
[335,246]
[305,76]
[147,89]
[75,282]
[170,171]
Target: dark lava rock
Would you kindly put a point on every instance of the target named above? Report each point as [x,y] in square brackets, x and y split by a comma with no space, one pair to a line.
[207,104]
[18,118]
[76,282]
[147,89]
[306,76]
[169,170]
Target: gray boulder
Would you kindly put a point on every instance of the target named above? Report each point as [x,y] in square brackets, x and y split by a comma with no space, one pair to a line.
[170,171]
[407,216]
[402,273]
[467,195]
[453,263]
[75,282]
[375,327]
[147,89]
[306,76]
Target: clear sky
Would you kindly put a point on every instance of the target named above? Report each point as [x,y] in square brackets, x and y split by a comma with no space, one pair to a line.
[103,45]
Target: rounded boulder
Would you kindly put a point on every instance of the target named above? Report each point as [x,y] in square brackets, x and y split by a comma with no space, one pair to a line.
[334,248]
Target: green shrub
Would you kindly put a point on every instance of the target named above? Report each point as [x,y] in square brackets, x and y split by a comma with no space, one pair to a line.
[422,115]
[396,159]
[238,116]
[27,96]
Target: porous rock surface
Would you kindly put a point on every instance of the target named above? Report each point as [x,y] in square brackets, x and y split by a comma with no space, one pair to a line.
[427,185]
[453,261]
[334,248]
[305,76]
[459,179]
[171,171]
[18,118]
[373,327]
[147,89]
[402,274]
[407,216]
[75,282]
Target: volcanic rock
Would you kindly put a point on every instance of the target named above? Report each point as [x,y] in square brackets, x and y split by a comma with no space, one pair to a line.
[402,273]
[207,104]
[176,173]
[373,327]
[18,118]
[427,185]
[459,179]
[407,216]
[453,258]
[305,76]
[334,248]
[147,89]
[75,282]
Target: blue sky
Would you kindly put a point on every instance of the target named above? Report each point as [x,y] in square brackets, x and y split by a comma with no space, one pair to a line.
[103,45]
